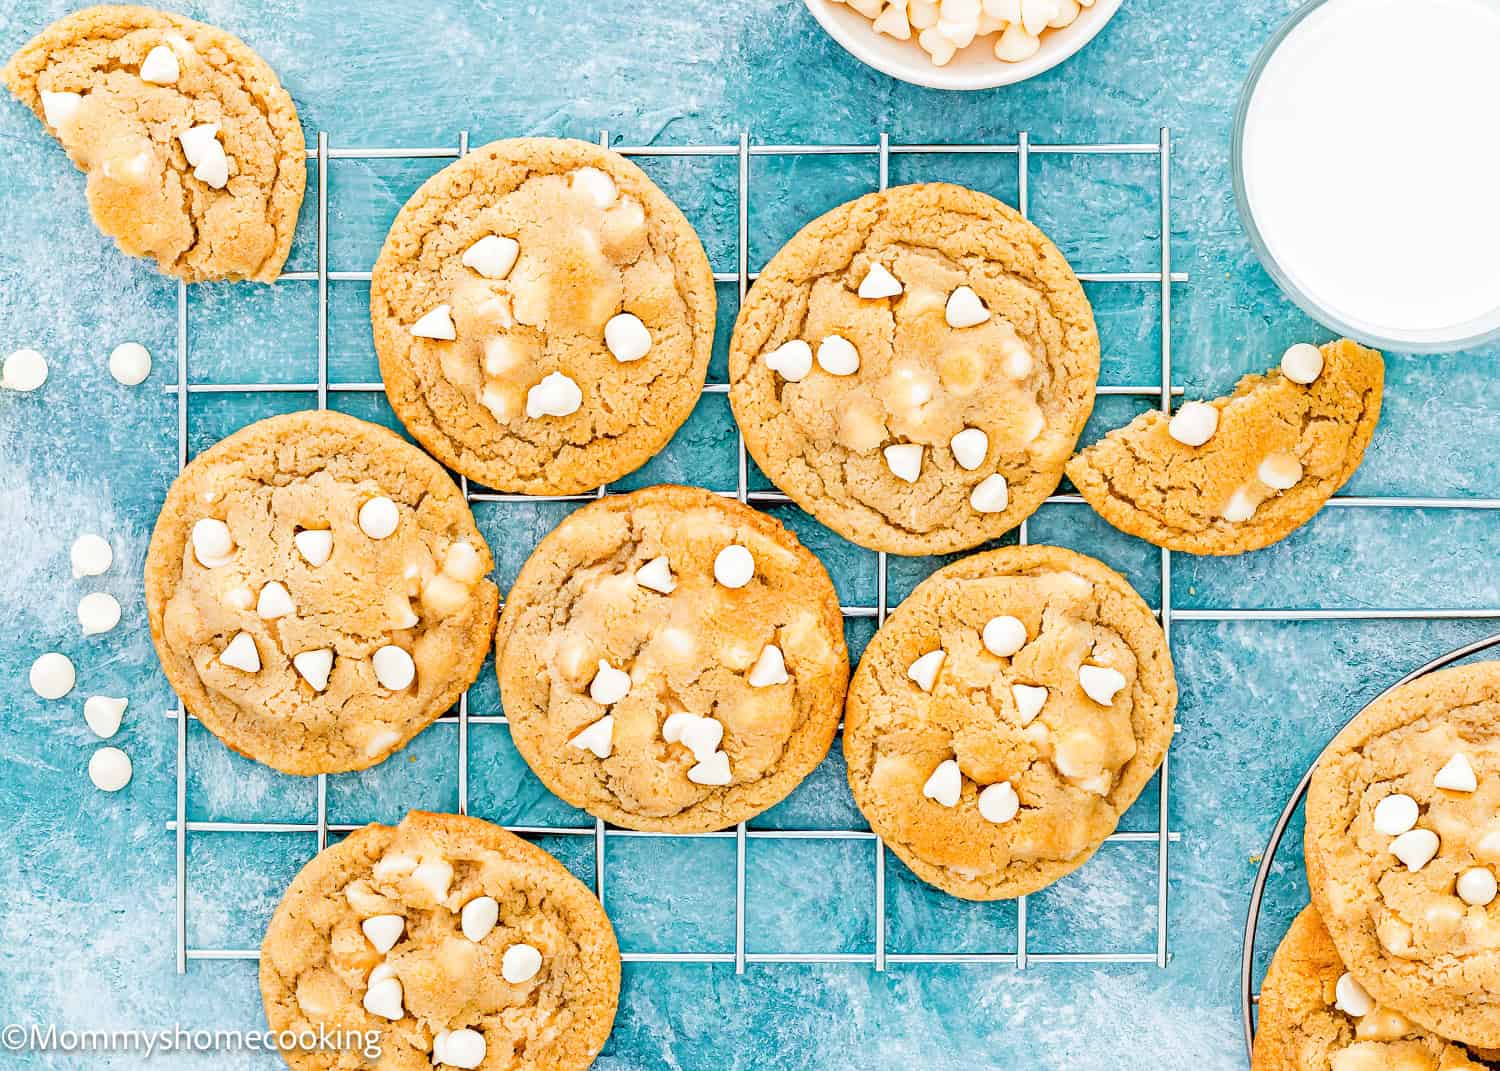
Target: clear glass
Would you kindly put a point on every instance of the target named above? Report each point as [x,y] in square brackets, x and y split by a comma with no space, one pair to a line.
[1462,336]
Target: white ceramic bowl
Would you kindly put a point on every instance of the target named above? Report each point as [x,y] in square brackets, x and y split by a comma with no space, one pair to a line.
[974,67]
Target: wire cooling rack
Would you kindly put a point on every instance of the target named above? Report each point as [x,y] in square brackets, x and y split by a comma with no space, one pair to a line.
[879,153]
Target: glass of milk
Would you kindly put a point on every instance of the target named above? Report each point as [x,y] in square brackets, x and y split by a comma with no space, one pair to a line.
[1367,168]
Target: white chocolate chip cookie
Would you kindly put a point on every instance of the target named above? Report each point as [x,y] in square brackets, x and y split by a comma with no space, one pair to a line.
[672,660]
[460,944]
[1402,885]
[544,316]
[1244,471]
[956,364]
[978,742]
[315,656]
[193,150]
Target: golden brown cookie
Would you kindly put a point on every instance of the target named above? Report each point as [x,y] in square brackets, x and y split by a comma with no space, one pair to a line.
[1005,716]
[1402,843]
[1242,472]
[193,150]
[544,316]
[914,368]
[1314,1016]
[454,942]
[672,660]
[318,592]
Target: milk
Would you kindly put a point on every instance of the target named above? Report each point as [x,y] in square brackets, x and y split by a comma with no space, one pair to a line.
[1371,166]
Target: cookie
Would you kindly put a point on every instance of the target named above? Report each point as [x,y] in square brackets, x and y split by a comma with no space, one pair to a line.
[671,660]
[1314,1016]
[1402,844]
[1242,472]
[193,150]
[318,592]
[452,941]
[1005,716]
[544,316]
[914,368]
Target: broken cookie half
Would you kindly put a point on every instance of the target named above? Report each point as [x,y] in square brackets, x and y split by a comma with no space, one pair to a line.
[1244,471]
[193,150]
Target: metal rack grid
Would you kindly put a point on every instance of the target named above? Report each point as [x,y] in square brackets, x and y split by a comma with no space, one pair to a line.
[878,956]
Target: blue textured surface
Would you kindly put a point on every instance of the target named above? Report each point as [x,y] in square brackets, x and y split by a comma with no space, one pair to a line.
[86,913]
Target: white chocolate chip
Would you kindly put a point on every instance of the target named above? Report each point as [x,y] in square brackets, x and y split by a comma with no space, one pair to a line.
[960,33]
[201,146]
[998,803]
[394,668]
[675,725]
[315,545]
[964,309]
[970,447]
[1067,14]
[213,545]
[734,566]
[1194,424]
[1488,847]
[98,612]
[609,686]
[878,282]
[241,653]
[1101,683]
[1476,886]
[937,46]
[103,714]
[1415,848]
[1456,775]
[493,256]
[461,1048]
[519,964]
[239,598]
[383,931]
[769,668]
[52,676]
[1036,14]
[1015,44]
[1280,472]
[893,23]
[90,555]
[1302,363]
[712,771]
[596,185]
[837,356]
[598,737]
[627,338]
[60,109]
[656,575]
[1004,635]
[391,868]
[436,324]
[702,736]
[1029,701]
[1395,814]
[555,395]
[905,461]
[1351,998]
[384,998]
[130,363]
[924,670]
[478,917]
[1240,507]
[109,769]
[923,13]
[945,784]
[160,66]
[990,495]
[792,360]
[434,875]
[274,601]
[315,666]
[24,370]
[379,517]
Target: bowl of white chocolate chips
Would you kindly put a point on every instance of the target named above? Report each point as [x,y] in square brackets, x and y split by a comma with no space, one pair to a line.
[963,44]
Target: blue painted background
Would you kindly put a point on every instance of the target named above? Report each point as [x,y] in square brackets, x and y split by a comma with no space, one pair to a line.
[87,881]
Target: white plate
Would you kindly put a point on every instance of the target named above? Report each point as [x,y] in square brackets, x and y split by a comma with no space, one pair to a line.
[974,67]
